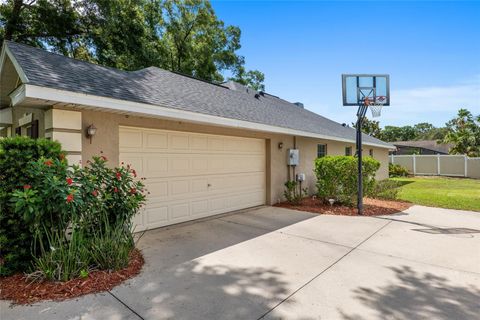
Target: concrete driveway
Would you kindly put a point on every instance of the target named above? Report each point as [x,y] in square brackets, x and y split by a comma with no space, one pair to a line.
[274,263]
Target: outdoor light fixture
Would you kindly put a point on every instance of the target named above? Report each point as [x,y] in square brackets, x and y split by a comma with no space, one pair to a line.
[280,145]
[91,131]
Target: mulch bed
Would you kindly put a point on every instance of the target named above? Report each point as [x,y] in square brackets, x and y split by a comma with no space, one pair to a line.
[19,290]
[371,207]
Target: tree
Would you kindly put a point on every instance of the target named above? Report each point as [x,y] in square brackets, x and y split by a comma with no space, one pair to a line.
[392,133]
[184,36]
[464,133]
[426,131]
[370,127]
[423,128]
[43,23]
[253,79]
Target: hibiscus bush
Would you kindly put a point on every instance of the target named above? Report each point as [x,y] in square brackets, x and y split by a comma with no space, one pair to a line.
[73,218]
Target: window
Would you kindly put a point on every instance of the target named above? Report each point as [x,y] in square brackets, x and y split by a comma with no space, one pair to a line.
[321,150]
[348,151]
[370,152]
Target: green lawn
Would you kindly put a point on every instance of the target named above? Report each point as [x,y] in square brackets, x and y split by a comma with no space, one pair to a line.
[453,193]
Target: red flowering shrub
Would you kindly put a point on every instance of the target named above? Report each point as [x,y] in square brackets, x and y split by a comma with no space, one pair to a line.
[96,202]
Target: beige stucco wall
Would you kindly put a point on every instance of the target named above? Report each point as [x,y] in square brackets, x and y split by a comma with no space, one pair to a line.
[107,139]
[38,114]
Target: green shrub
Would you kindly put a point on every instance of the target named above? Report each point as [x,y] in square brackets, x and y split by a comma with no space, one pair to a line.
[337,177]
[15,234]
[63,259]
[385,189]
[101,190]
[96,201]
[293,193]
[110,246]
[41,196]
[396,170]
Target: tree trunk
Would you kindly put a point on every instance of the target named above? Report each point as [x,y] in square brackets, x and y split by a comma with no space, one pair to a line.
[12,23]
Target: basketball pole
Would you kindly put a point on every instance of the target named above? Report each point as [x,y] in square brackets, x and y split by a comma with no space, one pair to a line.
[362,110]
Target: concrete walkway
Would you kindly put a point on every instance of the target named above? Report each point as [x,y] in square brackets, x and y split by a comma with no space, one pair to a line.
[274,263]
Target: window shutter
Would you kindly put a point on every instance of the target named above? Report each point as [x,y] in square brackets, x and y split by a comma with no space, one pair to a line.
[34,130]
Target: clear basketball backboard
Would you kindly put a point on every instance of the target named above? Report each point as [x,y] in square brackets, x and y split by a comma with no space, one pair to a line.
[360,88]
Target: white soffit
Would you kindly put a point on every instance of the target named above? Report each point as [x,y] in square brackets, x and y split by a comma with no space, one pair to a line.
[148,110]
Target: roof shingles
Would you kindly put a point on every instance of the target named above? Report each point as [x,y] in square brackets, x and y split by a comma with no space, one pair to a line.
[159,87]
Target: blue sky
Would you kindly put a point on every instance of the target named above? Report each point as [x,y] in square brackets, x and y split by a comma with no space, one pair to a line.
[430,49]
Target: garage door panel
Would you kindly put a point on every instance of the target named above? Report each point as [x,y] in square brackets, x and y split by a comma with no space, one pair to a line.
[200,207]
[137,220]
[155,166]
[155,215]
[178,211]
[130,140]
[157,189]
[217,204]
[200,185]
[215,144]
[179,188]
[198,143]
[179,142]
[217,183]
[192,175]
[178,166]
[216,164]
[200,165]
[135,162]
[155,140]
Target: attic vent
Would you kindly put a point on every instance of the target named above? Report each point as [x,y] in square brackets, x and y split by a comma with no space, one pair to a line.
[257,95]
[298,104]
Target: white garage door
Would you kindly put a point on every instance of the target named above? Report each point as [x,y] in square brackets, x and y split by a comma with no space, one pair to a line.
[191,175]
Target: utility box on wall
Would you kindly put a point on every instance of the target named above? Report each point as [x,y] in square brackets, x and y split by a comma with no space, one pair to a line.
[293,157]
[300,177]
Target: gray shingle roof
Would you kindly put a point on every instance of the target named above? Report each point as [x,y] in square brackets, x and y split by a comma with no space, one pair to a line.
[426,144]
[156,86]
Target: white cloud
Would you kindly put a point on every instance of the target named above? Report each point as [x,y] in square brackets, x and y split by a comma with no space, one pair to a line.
[432,104]
[435,105]
[437,98]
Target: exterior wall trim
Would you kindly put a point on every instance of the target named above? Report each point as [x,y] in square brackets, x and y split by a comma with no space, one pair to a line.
[7,53]
[86,101]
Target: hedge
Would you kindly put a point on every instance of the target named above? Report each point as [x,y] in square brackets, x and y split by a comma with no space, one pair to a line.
[15,237]
[337,177]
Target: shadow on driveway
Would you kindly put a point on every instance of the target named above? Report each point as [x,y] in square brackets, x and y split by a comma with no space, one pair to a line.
[420,296]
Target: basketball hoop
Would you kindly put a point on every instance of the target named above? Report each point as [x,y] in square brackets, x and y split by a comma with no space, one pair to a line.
[364,91]
[376,105]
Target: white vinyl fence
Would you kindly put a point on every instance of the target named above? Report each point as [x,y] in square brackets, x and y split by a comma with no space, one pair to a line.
[439,165]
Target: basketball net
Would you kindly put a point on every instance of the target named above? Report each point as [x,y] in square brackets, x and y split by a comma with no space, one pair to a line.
[376,105]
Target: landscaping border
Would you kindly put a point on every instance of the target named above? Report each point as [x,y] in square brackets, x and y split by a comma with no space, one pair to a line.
[20,290]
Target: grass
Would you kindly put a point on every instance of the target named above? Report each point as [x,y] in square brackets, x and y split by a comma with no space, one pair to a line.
[452,193]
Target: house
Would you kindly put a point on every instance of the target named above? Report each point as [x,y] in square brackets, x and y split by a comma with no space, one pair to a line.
[204,148]
[420,147]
